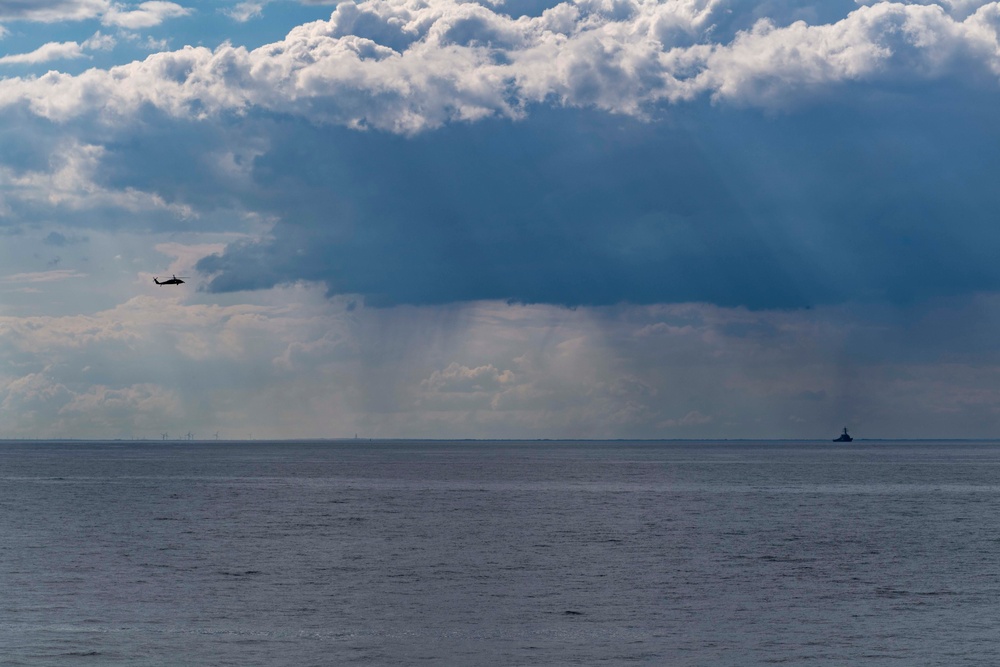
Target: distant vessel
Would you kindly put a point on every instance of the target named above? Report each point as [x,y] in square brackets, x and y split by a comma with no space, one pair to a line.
[844,437]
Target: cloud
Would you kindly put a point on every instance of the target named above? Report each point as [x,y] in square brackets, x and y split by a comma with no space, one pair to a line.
[60,51]
[147,15]
[31,394]
[153,361]
[43,276]
[693,418]
[244,11]
[45,53]
[60,240]
[100,42]
[754,210]
[101,408]
[766,219]
[68,184]
[957,8]
[459,378]
[408,68]
[51,11]
[683,190]
[294,364]
[707,371]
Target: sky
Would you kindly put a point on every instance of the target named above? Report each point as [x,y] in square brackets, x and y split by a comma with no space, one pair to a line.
[499,219]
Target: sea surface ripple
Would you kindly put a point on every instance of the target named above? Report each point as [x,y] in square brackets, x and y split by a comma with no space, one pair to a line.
[499,553]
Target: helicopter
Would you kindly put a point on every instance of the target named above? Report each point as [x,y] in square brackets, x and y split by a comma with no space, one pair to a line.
[174,280]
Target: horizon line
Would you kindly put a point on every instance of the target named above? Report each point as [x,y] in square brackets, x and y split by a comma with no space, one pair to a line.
[483,439]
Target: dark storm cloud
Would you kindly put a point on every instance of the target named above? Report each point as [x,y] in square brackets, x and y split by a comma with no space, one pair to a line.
[198,165]
[889,197]
[612,210]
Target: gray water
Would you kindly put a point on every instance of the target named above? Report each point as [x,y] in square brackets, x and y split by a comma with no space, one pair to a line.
[500,553]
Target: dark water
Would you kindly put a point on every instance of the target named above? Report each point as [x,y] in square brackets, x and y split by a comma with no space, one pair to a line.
[747,553]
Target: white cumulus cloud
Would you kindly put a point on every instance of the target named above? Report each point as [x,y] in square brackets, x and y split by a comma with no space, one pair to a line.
[244,11]
[46,53]
[459,378]
[60,51]
[146,15]
[69,183]
[51,11]
[407,66]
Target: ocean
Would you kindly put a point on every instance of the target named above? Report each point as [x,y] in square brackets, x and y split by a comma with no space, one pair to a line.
[499,553]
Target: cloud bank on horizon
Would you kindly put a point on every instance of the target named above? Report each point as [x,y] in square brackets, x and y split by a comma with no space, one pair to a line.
[610,154]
